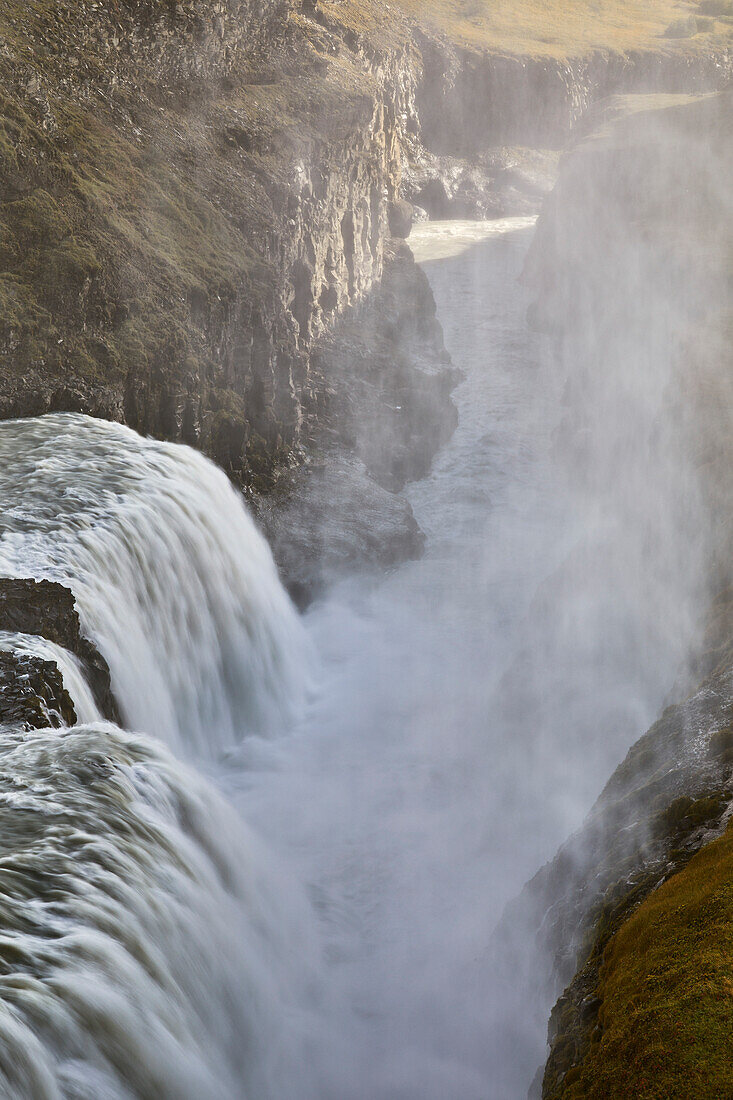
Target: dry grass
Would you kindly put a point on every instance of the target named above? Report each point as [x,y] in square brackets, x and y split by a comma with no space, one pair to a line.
[561,27]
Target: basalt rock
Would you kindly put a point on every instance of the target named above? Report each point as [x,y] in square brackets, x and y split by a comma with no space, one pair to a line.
[48,610]
[32,694]
[386,412]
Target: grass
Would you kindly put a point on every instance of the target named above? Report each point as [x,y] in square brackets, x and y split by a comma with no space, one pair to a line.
[558,27]
[667,993]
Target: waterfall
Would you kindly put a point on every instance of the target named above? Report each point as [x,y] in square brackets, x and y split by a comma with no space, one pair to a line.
[173,581]
[148,946]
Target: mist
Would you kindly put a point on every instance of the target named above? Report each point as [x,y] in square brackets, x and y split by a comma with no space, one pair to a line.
[471,706]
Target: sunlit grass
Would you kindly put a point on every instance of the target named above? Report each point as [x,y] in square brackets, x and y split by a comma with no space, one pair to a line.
[559,27]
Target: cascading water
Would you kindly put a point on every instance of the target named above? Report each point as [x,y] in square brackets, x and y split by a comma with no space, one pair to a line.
[172,579]
[149,948]
[149,945]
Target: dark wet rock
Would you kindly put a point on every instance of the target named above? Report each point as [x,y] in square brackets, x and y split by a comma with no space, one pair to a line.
[335,520]
[43,608]
[388,411]
[48,610]
[32,694]
[401,216]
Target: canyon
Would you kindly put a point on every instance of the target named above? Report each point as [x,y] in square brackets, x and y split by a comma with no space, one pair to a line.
[205,226]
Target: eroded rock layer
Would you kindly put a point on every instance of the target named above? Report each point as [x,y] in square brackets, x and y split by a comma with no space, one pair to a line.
[32,691]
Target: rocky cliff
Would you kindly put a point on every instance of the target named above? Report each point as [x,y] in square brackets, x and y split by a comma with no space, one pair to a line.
[193,194]
[632,265]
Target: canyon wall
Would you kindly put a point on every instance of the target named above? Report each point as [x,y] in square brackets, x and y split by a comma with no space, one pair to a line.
[194,194]
[632,271]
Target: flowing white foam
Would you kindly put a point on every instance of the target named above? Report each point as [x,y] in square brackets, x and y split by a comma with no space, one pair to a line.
[173,581]
[148,947]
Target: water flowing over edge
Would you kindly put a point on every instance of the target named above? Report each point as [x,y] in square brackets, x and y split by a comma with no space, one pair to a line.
[173,581]
[150,945]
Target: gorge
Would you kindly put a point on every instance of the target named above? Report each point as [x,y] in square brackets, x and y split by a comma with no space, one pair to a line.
[365,497]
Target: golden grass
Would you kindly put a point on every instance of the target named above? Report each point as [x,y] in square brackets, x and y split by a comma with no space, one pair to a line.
[558,27]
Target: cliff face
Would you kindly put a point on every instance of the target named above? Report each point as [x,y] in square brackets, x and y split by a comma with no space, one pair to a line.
[186,209]
[537,101]
[632,268]
[194,193]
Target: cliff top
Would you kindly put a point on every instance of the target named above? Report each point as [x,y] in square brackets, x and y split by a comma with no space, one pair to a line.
[560,28]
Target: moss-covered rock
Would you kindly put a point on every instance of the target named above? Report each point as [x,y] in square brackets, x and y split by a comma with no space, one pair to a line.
[639,231]
[665,998]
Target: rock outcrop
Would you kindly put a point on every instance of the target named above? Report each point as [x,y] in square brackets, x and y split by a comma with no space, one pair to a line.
[386,411]
[32,692]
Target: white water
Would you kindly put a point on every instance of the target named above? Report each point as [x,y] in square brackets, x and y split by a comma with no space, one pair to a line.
[456,731]
[148,946]
[414,810]
[173,581]
[462,727]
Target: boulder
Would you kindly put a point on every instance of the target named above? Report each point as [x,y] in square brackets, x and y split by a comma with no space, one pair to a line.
[401,217]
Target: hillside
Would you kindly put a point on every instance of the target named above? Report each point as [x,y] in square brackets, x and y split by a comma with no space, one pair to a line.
[576,28]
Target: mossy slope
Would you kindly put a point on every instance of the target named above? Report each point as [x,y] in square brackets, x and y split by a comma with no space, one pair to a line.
[666,991]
